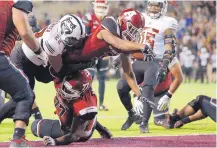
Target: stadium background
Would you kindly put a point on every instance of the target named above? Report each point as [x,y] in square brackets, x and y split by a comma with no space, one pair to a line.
[197,30]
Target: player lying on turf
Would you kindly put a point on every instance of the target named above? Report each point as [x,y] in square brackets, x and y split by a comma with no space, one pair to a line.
[197,109]
[76,107]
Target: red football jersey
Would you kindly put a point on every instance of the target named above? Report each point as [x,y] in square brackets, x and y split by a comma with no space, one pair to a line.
[91,22]
[165,85]
[8,32]
[95,48]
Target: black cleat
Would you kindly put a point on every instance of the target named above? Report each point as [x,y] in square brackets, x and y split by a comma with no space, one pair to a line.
[131,118]
[105,133]
[144,128]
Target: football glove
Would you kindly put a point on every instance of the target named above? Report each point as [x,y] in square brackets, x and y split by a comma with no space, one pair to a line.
[148,53]
[48,141]
[164,102]
[138,105]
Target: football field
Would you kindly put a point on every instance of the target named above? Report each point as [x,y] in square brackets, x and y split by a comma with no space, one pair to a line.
[116,116]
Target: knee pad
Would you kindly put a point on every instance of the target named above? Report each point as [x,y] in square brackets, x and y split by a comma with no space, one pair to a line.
[23,109]
[196,103]
[46,127]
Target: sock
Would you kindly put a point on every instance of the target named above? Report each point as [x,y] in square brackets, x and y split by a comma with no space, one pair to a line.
[18,133]
[36,113]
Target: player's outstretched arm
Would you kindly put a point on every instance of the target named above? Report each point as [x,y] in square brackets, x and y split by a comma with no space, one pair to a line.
[129,74]
[73,136]
[20,21]
[178,77]
[118,43]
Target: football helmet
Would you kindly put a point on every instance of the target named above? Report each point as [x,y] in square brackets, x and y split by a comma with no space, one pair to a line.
[101,7]
[74,86]
[71,30]
[131,24]
[154,13]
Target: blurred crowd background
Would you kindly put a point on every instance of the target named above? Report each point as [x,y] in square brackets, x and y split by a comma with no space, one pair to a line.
[196,35]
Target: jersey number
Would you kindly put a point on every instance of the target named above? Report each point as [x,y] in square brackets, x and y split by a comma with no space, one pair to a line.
[59,107]
[148,36]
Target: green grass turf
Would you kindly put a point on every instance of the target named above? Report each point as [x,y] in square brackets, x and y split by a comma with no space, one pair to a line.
[116,116]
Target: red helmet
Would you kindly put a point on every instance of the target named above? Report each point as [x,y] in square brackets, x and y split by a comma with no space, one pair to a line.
[74,86]
[101,7]
[131,24]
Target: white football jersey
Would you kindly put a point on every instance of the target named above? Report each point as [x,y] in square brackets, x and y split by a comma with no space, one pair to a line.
[49,41]
[153,33]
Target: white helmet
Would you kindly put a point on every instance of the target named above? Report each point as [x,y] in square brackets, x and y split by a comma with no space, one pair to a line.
[101,7]
[163,4]
[71,30]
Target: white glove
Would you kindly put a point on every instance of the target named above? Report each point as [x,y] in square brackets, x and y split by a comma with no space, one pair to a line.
[43,57]
[138,105]
[49,141]
[164,102]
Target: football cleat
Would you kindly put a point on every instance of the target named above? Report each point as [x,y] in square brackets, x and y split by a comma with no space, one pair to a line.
[103,108]
[131,118]
[144,127]
[22,142]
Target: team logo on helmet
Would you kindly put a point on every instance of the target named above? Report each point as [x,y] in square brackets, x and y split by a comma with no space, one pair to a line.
[67,26]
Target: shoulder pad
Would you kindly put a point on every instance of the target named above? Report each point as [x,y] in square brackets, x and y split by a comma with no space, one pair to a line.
[23,5]
[172,23]
[110,24]
[51,42]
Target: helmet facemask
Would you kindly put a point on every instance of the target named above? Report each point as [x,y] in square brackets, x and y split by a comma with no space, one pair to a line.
[71,30]
[68,93]
[100,9]
[153,5]
[131,33]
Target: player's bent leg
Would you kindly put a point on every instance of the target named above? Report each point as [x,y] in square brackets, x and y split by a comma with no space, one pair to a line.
[7,110]
[208,106]
[16,84]
[123,90]
[46,127]
[148,92]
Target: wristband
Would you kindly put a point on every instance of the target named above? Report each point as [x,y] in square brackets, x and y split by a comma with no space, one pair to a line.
[186,120]
[169,95]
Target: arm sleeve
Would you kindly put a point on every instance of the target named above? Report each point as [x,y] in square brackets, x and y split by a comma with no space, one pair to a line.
[111,25]
[23,5]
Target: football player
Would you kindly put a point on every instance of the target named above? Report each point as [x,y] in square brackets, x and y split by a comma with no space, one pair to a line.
[91,22]
[172,81]
[162,40]
[14,21]
[65,42]
[76,107]
[32,71]
[197,109]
